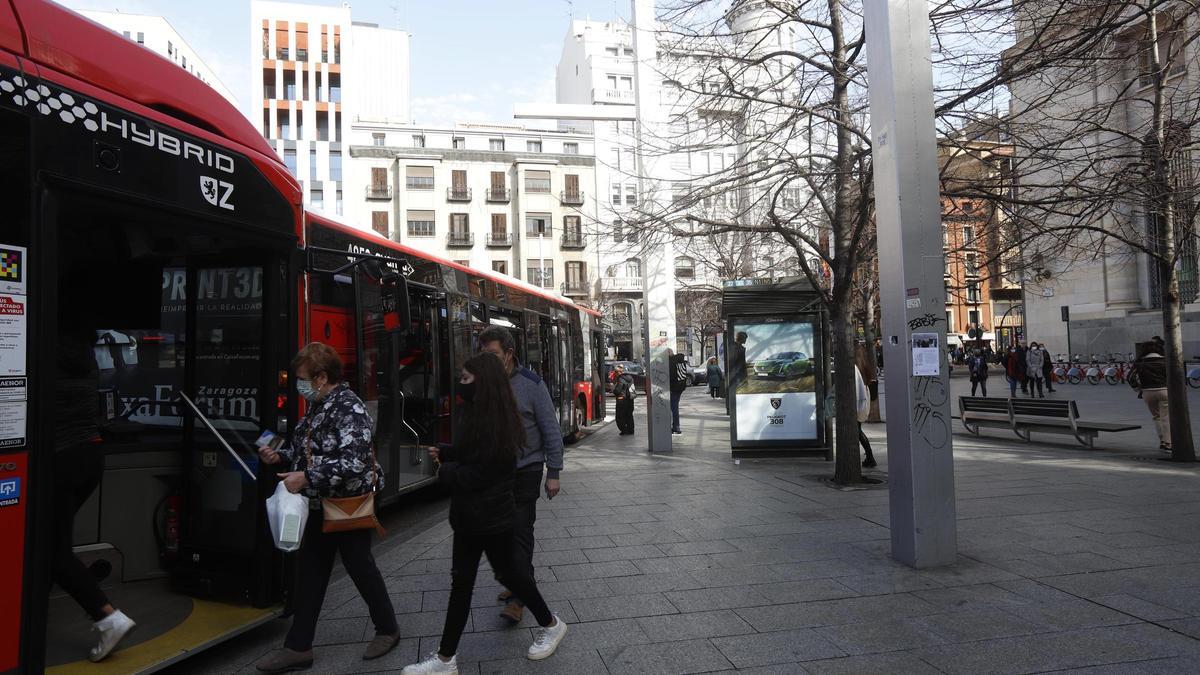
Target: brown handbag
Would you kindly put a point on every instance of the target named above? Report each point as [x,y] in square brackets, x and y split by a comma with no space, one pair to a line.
[342,514]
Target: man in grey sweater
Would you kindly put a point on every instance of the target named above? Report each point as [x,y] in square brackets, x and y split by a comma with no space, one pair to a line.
[543,446]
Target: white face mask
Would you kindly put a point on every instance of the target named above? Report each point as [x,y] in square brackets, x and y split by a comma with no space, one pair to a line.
[306,389]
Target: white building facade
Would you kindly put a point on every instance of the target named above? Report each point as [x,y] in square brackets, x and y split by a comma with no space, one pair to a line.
[156,34]
[499,197]
[597,68]
[313,71]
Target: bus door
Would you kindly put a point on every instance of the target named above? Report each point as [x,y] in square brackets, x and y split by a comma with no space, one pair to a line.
[566,380]
[397,371]
[598,370]
[548,331]
[188,326]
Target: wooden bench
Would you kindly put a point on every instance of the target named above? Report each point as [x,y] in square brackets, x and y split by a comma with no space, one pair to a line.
[1025,416]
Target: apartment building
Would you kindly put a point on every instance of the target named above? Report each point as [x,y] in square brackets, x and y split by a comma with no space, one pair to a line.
[596,67]
[159,36]
[492,196]
[313,71]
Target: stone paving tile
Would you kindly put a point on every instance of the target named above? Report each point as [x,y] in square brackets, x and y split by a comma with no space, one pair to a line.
[680,564]
[694,625]
[588,662]
[486,646]
[978,624]
[715,577]
[593,636]
[835,612]
[669,658]
[489,619]
[623,553]
[622,606]
[1139,607]
[615,568]
[881,636]
[422,624]
[339,631]
[1168,666]
[730,597]
[653,583]
[1190,626]
[1059,651]
[897,663]
[785,592]
[598,541]
[763,649]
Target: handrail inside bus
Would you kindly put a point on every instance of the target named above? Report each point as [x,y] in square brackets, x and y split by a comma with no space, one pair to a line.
[217,434]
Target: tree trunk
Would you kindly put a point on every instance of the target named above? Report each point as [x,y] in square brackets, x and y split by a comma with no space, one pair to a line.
[1182,447]
[848,468]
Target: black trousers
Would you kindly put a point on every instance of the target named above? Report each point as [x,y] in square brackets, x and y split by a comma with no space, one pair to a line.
[77,472]
[982,384]
[1035,381]
[625,415]
[865,442]
[527,486]
[468,549]
[312,580]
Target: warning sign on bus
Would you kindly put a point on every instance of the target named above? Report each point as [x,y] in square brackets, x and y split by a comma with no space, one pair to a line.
[13,329]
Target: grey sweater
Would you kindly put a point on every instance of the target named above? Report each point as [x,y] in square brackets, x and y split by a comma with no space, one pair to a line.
[543,437]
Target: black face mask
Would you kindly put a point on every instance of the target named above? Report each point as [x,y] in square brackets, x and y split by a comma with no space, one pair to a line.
[467,391]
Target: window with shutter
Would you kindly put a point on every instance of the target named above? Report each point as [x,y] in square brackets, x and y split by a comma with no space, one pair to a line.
[379,222]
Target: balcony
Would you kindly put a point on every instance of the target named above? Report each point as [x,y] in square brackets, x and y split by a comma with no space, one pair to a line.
[573,241]
[571,198]
[572,288]
[456,193]
[621,284]
[600,95]
[499,240]
[498,195]
[460,240]
[379,192]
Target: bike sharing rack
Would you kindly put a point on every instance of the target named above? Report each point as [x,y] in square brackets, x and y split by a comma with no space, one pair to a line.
[778,375]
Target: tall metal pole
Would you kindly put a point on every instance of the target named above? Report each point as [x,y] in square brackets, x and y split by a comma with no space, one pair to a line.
[658,284]
[920,460]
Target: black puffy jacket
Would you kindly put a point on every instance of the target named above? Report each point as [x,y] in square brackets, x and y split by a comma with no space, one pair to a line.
[481,492]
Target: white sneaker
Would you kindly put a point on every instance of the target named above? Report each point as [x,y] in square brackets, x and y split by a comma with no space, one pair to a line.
[545,640]
[432,664]
[113,628]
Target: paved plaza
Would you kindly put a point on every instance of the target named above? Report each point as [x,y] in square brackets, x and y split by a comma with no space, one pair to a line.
[1071,560]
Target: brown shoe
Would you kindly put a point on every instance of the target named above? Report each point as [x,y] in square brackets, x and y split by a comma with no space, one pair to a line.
[513,611]
[381,645]
[504,596]
[285,660]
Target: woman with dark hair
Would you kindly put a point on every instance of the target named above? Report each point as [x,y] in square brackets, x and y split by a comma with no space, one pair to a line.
[479,467]
[332,457]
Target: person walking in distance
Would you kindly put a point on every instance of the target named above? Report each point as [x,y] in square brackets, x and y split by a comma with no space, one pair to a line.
[543,447]
[1152,378]
[1023,367]
[862,405]
[679,382]
[479,468]
[978,369]
[624,392]
[333,456]
[1048,370]
[1013,364]
[714,376]
[1035,366]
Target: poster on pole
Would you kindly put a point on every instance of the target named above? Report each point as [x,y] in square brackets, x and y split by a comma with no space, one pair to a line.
[926,355]
[773,375]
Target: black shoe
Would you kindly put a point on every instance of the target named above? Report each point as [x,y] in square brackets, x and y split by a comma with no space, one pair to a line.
[869,464]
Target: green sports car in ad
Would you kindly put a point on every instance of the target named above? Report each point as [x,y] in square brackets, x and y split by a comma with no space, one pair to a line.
[782,366]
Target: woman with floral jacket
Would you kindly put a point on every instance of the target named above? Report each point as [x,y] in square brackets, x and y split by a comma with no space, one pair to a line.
[331,456]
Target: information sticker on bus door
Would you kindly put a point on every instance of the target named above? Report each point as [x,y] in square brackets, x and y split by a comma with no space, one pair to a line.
[14,327]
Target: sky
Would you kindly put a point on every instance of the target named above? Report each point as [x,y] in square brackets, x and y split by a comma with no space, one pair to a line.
[471,59]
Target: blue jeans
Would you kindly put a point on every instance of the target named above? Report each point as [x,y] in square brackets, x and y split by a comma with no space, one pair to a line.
[675,409]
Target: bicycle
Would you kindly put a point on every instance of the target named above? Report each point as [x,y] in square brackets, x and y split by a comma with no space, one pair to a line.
[1119,372]
[1094,374]
[1058,370]
[1193,377]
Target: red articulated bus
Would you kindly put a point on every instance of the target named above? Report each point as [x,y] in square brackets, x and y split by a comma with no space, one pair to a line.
[201,276]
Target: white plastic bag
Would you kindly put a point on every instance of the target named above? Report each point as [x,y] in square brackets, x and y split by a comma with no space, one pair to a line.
[288,514]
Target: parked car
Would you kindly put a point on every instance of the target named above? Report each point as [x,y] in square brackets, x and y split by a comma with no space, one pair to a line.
[783,366]
[699,375]
[634,369]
